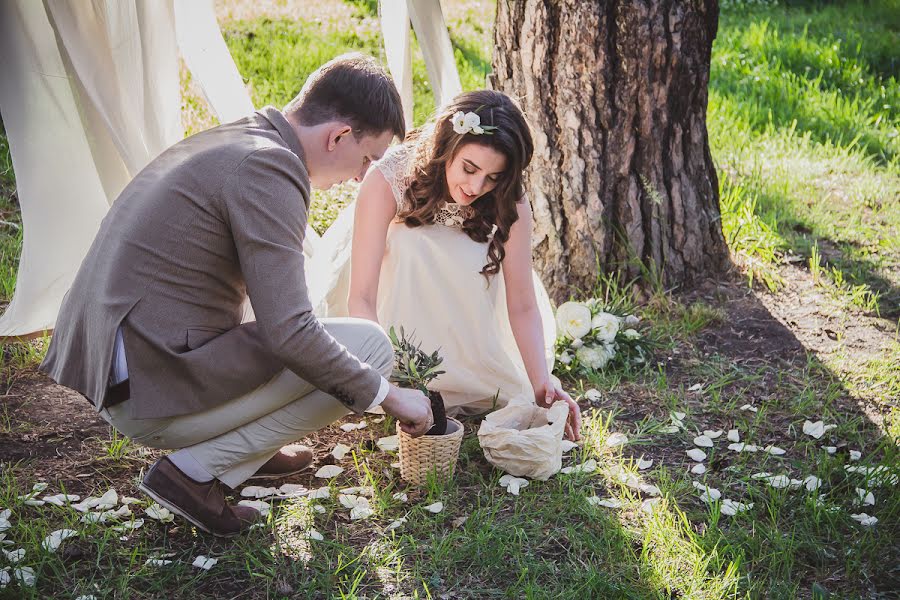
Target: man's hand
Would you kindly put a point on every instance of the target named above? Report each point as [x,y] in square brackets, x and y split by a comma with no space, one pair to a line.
[411,407]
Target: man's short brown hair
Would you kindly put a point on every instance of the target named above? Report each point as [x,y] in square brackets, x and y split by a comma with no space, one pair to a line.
[353,88]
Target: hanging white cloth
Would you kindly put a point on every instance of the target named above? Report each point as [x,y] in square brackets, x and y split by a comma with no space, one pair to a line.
[434,41]
[60,192]
[209,61]
[396,33]
[89,94]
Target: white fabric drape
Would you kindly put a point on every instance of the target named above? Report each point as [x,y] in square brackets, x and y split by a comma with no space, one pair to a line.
[434,40]
[209,61]
[89,94]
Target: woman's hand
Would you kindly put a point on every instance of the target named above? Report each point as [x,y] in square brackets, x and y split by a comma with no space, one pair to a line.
[548,392]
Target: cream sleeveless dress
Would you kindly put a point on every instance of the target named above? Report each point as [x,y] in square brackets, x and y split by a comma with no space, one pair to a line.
[431,285]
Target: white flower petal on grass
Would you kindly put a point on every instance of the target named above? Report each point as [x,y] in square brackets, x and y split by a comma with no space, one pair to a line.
[643,465]
[696,387]
[401,496]
[573,319]
[353,501]
[255,491]
[855,455]
[162,514]
[88,597]
[25,575]
[607,502]
[830,449]
[616,439]
[713,434]
[318,508]
[33,502]
[669,429]
[329,471]
[816,429]
[866,497]
[678,416]
[435,508]
[320,493]
[593,395]
[61,499]
[395,524]
[864,519]
[697,454]
[774,450]
[157,562]
[389,443]
[4,577]
[812,483]
[348,427]
[340,451]
[698,469]
[567,445]
[366,490]
[762,475]
[39,487]
[129,526]
[292,489]
[703,441]
[314,535]
[513,484]
[742,447]
[779,481]
[588,466]
[128,500]
[734,435]
[120,513]
[205,562]
[749,407]
[876,476]
[108,500]
[360,512]
[51,542]
[708,494]
[264,508]
[649,489]
[649,505]
[15,556]
[732,507]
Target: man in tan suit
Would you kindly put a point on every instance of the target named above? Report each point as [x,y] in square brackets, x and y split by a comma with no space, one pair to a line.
[151,329]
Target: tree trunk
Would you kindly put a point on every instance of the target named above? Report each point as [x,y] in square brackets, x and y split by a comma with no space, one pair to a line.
[622,179]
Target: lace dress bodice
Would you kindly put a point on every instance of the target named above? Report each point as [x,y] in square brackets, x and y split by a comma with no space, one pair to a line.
[396,169]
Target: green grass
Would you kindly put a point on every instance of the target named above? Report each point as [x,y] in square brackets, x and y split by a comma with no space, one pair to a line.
[803,120]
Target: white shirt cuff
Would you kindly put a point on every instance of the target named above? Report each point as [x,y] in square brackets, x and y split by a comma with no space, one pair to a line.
[381,395]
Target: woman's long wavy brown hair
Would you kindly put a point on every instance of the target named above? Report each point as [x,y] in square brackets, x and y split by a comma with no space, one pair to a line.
[434,147]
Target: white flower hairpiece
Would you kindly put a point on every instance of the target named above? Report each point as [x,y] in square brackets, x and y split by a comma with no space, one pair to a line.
[469,122]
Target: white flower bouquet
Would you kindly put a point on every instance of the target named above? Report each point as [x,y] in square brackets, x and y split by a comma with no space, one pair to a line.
[590,337]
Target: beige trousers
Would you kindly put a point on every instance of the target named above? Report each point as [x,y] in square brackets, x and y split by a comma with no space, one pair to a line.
[235,439]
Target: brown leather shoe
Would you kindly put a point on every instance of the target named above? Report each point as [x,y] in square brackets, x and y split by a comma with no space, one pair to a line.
[291,459]
[203,504]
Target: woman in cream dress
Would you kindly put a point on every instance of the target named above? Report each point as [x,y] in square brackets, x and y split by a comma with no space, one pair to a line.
[440,244]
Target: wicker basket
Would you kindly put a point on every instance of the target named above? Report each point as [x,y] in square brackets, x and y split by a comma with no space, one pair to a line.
[419,456]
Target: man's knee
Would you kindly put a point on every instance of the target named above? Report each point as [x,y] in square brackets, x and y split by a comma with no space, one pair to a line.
[379,351]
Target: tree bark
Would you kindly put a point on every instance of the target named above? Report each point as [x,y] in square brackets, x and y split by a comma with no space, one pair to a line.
[615,92]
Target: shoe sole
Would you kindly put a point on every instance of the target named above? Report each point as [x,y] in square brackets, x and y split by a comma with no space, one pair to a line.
[279,475]
[174,508]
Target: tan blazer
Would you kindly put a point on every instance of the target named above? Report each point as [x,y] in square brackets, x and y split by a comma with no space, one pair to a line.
[216,217]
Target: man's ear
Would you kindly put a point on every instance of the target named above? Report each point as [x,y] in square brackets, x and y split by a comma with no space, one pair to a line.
[337,133]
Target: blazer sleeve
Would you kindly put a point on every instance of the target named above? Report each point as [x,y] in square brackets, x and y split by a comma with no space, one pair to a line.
[266,204]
